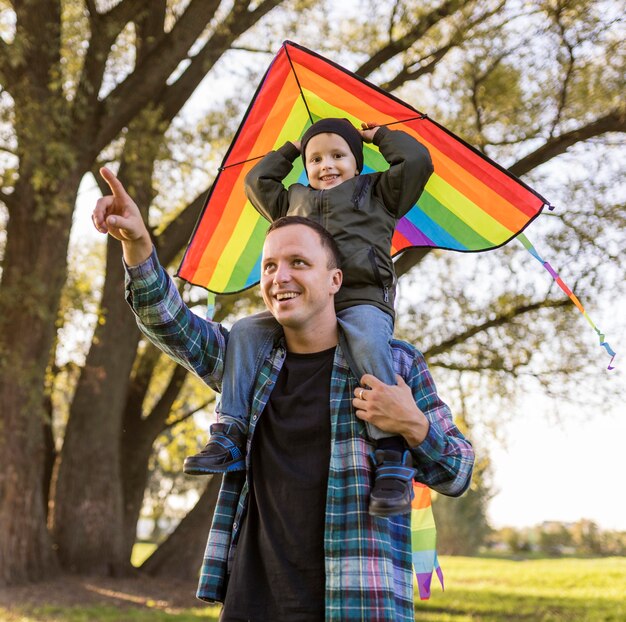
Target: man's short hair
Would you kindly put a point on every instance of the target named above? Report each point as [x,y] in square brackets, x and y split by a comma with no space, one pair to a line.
[327,240]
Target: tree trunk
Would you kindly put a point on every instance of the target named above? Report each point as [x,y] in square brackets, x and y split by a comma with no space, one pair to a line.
[33,274]
[138,438]
[180,556]
[88,511]
[89,518]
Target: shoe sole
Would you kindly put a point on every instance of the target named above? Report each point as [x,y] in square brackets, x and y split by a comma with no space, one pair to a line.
[190,469]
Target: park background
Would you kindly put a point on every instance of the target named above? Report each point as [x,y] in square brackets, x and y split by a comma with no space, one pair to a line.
[94,423]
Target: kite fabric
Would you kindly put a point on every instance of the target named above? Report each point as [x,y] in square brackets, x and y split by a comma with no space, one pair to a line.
[470,203]
[424,540]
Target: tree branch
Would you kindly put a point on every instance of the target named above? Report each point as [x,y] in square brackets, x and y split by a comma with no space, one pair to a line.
[7,73]
[8,200]
[104,29]
[149,78]
[38,40]
[155,421]
[406,74]
[614,121]
[190,413]
[92,9]
[568,71]
[409,258]
[393,48]
[238,21]
[500,320]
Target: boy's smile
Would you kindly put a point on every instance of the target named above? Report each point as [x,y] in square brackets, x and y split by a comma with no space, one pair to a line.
[329,161]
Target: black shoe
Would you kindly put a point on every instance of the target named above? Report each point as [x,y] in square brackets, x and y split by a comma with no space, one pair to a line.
[392,492]
[222,454]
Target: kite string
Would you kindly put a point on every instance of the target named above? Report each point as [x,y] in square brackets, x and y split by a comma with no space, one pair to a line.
[553,273]
[295,75]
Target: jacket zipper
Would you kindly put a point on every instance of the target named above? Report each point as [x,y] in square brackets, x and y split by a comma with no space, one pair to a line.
[360,189]
[372,257]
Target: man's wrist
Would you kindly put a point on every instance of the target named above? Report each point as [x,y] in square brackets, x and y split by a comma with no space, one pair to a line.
[416,435]
[137,251]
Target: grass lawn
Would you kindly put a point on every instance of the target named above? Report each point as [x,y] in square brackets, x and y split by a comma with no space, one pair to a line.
[477,589]
[534,590]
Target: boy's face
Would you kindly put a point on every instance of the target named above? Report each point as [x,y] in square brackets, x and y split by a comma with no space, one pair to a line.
[329,161]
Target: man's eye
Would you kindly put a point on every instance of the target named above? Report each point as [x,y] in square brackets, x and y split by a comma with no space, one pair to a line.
[268,267]
[299,262]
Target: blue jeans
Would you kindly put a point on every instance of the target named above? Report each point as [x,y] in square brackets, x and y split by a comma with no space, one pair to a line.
[368,331]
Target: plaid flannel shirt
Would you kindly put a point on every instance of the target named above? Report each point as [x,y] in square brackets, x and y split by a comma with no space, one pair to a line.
[367,559]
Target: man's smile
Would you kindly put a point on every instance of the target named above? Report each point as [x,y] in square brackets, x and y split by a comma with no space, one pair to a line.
[280,296]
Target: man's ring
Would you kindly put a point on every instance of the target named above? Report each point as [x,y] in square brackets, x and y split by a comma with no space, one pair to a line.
[361,395]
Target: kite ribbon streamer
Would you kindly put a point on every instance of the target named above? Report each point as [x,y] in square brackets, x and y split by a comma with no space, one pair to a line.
[423,540]
[533,251]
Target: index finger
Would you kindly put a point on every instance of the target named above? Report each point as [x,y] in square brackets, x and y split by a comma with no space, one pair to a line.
[114,183]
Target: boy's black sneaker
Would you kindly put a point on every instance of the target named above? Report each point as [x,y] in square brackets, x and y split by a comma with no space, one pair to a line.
[222,454]
[392,492]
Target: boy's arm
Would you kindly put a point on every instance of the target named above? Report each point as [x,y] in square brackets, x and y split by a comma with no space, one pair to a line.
[197,344]
[410,168]
[264,183]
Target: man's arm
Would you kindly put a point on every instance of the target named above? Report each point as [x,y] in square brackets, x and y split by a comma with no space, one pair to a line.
[195,343]
[264,183]
[443,457]
[161,314]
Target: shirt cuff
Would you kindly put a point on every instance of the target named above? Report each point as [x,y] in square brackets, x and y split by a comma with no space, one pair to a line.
[142,275]
[144,268]
[432,447]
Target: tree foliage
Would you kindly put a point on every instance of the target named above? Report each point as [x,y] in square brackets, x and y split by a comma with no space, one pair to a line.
[157,89]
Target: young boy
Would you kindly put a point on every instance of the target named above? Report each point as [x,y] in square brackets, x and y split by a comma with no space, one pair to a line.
[360,211]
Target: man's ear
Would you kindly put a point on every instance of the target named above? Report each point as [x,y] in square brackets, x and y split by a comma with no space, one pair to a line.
[336,280]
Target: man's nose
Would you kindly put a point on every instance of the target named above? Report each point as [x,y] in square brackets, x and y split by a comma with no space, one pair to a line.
[282,273]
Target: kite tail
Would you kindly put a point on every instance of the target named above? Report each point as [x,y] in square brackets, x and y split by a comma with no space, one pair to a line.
[533,251]
[210,305]
[423,540]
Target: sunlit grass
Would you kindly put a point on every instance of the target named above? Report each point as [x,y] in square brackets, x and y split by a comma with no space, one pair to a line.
[109,614]
[477,590]
[535,590]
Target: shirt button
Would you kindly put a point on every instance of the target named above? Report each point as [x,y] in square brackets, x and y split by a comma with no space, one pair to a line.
[235,526]
[255,417]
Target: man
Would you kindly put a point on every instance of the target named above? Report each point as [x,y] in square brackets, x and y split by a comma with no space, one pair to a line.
[292,538]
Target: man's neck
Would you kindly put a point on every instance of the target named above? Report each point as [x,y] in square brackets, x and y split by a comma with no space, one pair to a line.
[306,342]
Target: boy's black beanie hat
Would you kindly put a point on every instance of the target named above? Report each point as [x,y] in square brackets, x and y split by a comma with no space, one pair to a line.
[345,129]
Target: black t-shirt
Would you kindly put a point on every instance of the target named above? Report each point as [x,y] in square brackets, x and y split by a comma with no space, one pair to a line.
[278,570]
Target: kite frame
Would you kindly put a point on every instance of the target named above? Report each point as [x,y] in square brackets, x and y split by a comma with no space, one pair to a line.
[419,115]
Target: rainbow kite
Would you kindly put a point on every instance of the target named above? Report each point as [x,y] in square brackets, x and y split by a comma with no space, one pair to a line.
[470,203]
